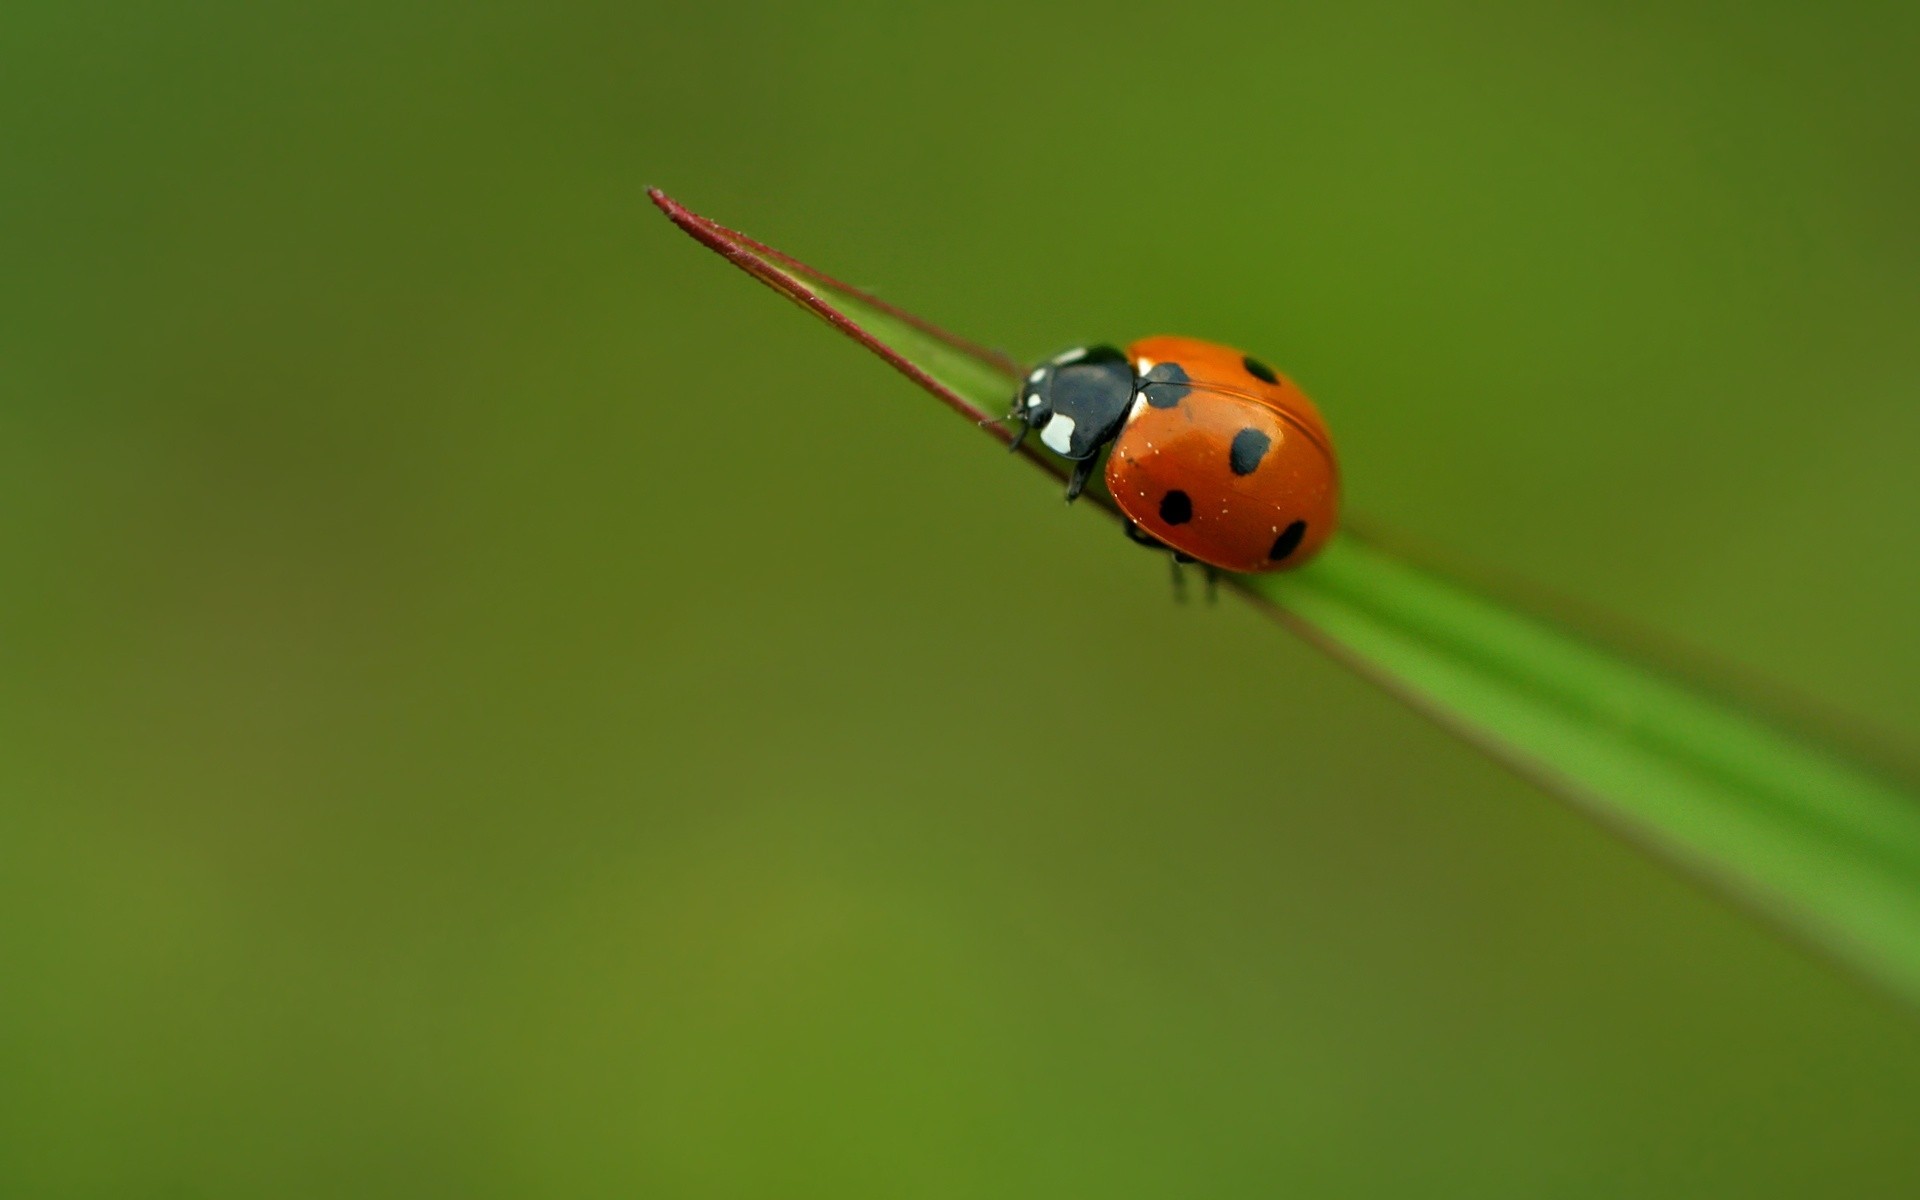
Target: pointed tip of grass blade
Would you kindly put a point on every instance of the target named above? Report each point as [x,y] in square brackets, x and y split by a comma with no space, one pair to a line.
[731,241]
[817,292]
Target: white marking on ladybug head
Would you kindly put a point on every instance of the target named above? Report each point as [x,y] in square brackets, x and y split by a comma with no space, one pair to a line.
[1058,433]
[1033,401]
[1143,366]
[1036,375]
[1072,356]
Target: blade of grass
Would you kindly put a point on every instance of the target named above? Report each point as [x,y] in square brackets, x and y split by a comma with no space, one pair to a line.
[1806,838]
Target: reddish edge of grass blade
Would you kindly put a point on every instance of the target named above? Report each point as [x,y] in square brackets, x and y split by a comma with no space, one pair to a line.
[791,280]
[752,257]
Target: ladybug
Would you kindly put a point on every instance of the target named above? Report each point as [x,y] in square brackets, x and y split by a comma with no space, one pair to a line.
[1216,456]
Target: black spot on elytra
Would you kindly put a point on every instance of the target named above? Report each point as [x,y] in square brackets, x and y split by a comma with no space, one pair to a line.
[1259,370]
[1165,385]
[1176,508]
[1249,447]
[1288,541]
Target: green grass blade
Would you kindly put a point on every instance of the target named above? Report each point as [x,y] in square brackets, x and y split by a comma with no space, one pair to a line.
[1818,844]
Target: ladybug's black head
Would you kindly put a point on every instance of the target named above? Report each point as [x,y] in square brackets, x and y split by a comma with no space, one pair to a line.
[1076,401]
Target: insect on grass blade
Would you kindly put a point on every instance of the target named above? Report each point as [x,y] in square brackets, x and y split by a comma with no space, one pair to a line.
[1803,835]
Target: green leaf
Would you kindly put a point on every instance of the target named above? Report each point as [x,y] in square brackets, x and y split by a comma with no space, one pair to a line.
[1822,846]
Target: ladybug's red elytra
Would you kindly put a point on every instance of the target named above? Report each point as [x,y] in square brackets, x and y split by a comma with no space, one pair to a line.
[1215,455]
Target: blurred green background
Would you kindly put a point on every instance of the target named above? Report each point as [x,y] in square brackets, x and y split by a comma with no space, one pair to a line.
[496,704]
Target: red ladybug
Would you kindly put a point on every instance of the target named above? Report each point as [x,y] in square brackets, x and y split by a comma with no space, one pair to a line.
[1216,456]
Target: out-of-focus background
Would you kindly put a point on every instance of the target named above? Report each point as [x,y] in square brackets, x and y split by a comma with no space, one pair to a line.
[495,704]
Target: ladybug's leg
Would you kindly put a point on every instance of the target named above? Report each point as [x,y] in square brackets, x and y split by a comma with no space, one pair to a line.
[1021,426]
[1082,471]
[1141,537]
[1175,560]
[1213,583]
